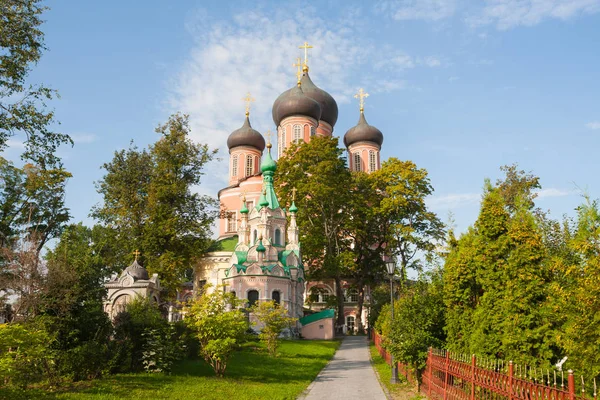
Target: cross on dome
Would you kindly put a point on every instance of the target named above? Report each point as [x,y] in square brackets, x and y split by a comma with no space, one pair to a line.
[248,100]
[298,65]
[294,190]
[361,95]
[305,46]
[268,135]
[136,253]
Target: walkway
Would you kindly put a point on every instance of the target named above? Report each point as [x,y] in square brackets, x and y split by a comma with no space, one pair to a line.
[348,376]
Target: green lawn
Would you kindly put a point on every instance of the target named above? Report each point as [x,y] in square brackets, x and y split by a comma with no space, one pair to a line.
[400,391]
[251,374]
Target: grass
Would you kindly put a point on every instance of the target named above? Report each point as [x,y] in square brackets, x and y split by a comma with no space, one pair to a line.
[400,391]
[250,374]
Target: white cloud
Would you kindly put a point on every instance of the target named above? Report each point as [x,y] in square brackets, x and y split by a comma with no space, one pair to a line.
[15,144]
[428,10]
[594,125]
[552,192]
[507,14]
[453,200]
[453,79]
[432,61]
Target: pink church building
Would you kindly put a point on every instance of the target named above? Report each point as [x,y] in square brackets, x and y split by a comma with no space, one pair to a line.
[258,255]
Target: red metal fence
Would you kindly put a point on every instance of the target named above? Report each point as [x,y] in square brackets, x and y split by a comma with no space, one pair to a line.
[447,377]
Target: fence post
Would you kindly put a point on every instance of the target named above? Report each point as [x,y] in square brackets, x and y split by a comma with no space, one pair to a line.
[473,366]
[571,381]
[429,361]
[446,374]
[510,380]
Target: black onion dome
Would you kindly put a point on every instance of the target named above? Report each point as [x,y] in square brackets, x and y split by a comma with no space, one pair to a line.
[137,271]
[246,136]
[295,102]
[363,132]
[329,108]
[276,105]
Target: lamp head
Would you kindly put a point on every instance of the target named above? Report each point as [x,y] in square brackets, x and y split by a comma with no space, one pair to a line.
[391,267]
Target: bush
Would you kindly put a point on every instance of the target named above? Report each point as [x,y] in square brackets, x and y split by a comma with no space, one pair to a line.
[25,355]
[219,326]
[273,319]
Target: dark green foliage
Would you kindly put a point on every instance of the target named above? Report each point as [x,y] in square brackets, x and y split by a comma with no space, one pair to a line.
[149,203]
[23,111]
[419,320]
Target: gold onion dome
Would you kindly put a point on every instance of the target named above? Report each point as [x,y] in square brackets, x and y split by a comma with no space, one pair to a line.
[295,102]
[363,132]
[246,136]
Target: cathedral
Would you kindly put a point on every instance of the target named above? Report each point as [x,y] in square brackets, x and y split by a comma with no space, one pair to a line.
[258,255]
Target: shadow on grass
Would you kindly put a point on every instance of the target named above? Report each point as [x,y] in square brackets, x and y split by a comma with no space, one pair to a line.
[298,362]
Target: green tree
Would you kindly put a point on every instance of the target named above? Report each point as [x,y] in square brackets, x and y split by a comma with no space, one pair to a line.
[271,319]
[496,277]
[23,109]
[151,204]
[317,170]
[411,229]
[219,325]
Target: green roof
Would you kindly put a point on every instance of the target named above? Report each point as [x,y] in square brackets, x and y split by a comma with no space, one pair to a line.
[227,244]
[329,313]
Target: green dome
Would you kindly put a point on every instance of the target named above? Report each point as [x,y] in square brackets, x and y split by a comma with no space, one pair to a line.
[260,247]
[244,209]
[268,164]
[293,208]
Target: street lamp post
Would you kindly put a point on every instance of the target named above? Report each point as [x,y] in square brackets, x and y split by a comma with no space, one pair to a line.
[391,268]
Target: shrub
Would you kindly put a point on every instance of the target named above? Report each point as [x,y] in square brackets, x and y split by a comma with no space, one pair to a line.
[219,326]
[272,319]
[25,355]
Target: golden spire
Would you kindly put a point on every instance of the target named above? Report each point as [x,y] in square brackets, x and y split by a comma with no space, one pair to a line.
[248,100]
[268,135]
[294,190]
[298,65]
[305,46]
[136,253]
[243,195]
[361,95]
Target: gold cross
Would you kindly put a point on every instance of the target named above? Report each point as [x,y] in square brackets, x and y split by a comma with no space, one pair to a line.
[268,135]
[305,46]
[294,190]
[298,65]
[248,100]
[361,95]
[243,195]
[136,253]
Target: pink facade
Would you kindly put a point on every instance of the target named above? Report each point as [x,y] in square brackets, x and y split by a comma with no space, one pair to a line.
[364,156]
[323,329]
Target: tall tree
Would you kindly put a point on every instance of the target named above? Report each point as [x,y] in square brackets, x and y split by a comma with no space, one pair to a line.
[23,110]
[412,230]
[151,204]
[318,172]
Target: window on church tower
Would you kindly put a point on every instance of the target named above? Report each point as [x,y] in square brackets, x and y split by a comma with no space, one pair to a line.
[249,165]
[254,236]
[282,140]
[231,221]
[276,296]
[234,166]
[277,236]
[357,166]
[297,133]
[372,160]
[313,131]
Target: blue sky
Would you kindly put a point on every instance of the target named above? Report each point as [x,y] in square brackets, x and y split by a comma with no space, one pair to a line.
[460,87]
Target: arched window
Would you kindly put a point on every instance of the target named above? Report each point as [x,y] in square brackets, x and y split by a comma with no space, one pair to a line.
[277,236]
[249,165]
[276,296]
[234,165]
[372,160]
[313,131]
[254,236]
[297,133]
[283,140]
[252,297]
[231,221]
[352,296]
[357,166]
